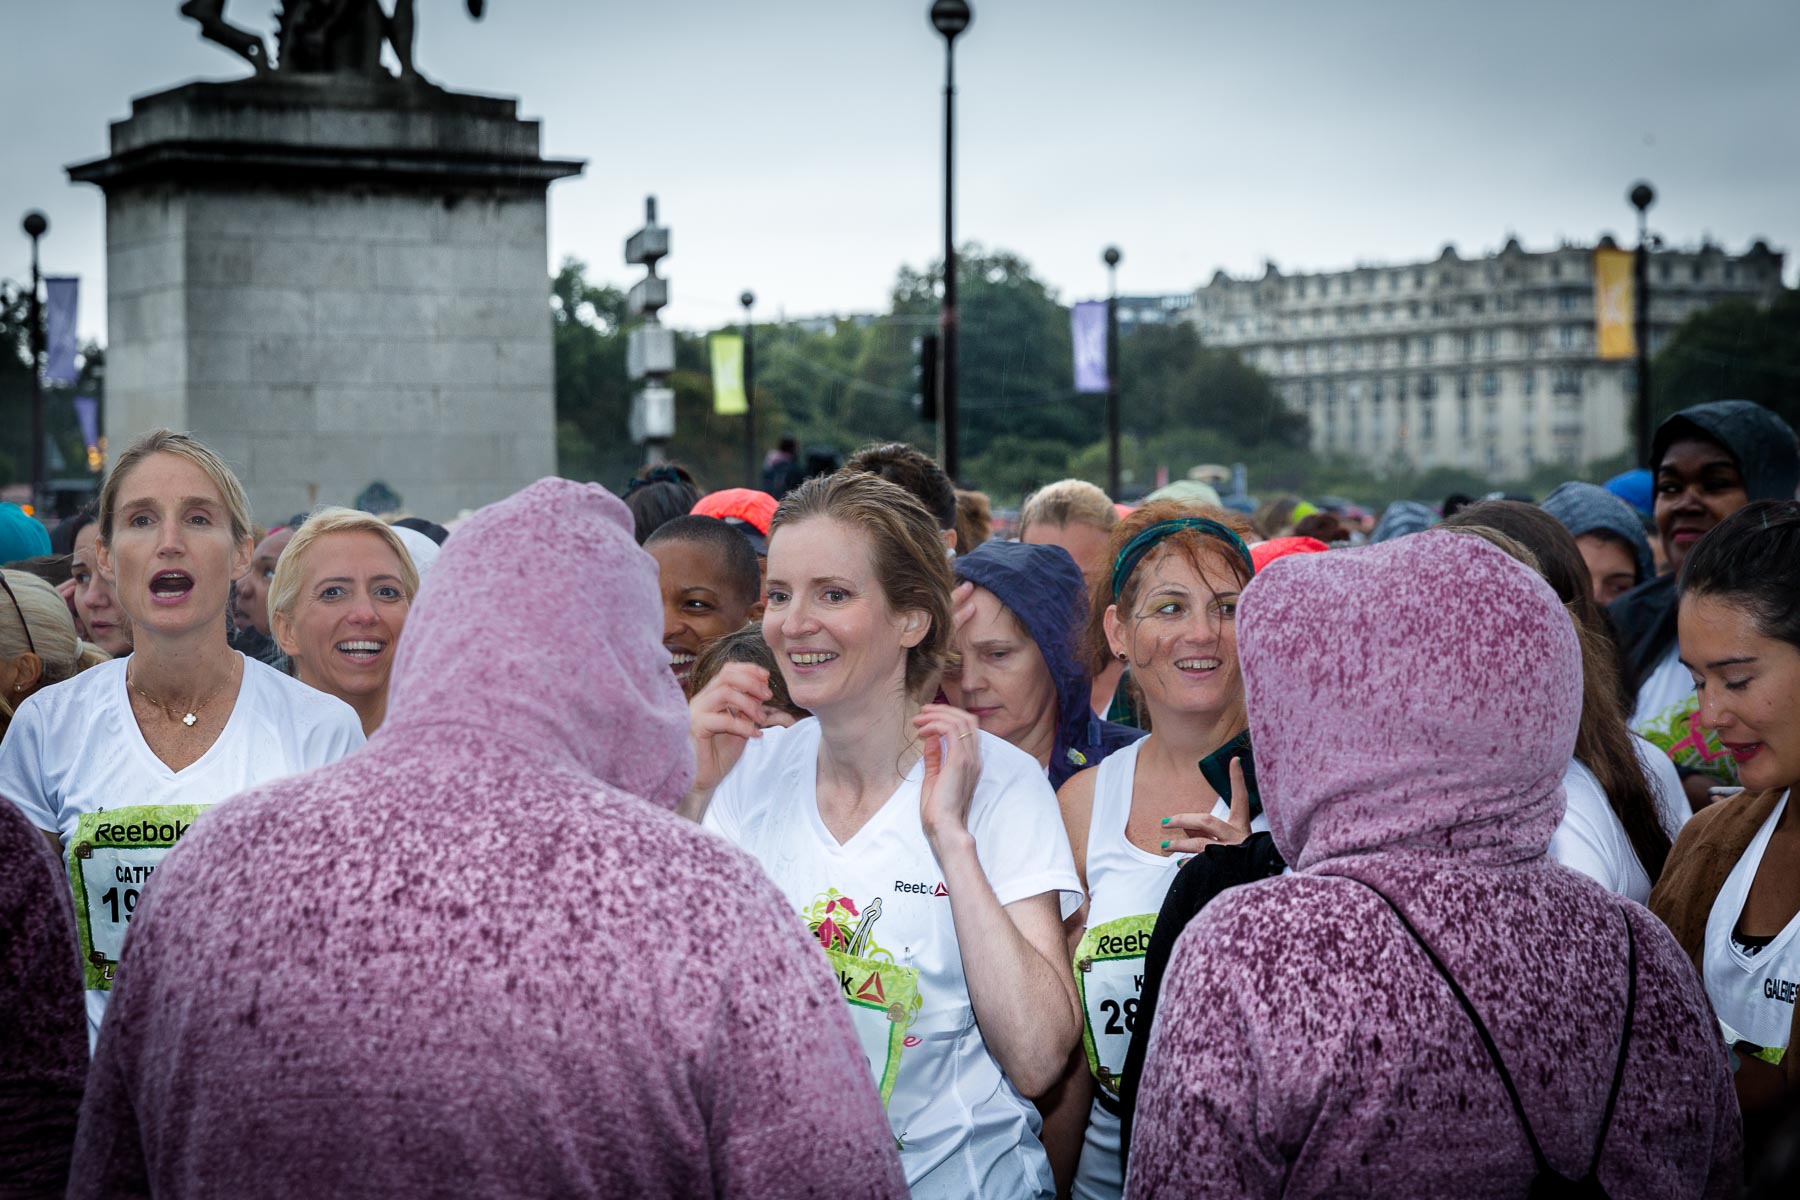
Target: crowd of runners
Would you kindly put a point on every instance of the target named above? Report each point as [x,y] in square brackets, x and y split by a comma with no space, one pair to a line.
[812,841]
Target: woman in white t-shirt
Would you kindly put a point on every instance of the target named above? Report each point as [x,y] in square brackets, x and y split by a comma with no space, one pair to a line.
[926,857]
[1731,892]
[115,764]
[1175,574]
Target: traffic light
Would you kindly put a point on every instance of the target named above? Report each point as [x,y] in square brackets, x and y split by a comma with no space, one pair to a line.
[925,400]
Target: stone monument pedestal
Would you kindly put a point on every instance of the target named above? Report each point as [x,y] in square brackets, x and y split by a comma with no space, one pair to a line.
[333,281]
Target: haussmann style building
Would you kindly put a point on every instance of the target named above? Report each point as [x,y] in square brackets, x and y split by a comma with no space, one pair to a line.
[1488,364]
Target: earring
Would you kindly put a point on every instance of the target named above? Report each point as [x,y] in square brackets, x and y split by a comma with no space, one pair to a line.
[1121,656]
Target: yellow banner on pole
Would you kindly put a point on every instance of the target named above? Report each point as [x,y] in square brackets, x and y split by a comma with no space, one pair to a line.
[728,374]
[1614,304]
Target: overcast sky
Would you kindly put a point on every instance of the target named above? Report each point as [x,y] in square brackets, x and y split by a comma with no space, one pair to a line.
[795,147]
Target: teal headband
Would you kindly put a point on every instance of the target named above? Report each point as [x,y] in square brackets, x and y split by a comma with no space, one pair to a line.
[1147,539]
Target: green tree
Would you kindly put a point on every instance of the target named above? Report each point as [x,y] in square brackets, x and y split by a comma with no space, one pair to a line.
[1733,351]
[1169,380]
[1014,368]
[593,397]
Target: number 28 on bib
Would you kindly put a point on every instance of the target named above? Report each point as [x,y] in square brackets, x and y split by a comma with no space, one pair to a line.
[112,855]
[1109,974]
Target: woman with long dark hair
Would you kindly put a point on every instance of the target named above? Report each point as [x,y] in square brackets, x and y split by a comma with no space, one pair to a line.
[1624,805]
[1731,891]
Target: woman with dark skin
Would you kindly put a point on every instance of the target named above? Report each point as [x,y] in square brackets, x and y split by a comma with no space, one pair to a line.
[1709,461]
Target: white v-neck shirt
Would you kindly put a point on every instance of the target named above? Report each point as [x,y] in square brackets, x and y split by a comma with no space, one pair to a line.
[1753,995]
[963,1129]
[75,750]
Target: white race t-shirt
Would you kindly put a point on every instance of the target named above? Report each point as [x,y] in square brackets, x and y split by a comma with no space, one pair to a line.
[878,906]
[1592,839]
[1753,994]
[74,761]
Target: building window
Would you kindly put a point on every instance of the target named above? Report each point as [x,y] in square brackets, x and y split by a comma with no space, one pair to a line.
[1425,348]
[1490,384]
[1462,416]
[1465,344]
[1530,385]
[1566,301]
[1375,391]
[1698,272]
[1565,337]
[1306,392]
[1555,269]
[1730,272]
[1426,422]
[1462,386]
[1493,341]
[1665,271]
[1477,305]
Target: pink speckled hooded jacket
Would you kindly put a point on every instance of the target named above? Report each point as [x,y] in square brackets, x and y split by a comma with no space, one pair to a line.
[1413,707]
[481,957]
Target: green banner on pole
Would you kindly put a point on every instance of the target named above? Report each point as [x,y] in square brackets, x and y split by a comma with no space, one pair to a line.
[728,374]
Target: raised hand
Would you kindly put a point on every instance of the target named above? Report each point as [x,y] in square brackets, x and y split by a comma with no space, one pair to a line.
[724,716]
[951,741]
[1203,829]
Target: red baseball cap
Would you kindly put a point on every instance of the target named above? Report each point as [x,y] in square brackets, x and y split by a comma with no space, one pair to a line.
[747,508]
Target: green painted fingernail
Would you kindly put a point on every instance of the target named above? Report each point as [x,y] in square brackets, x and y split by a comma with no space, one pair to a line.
[1165,845]
[1165,820]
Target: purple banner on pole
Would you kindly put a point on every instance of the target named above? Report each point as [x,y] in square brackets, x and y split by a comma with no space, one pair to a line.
[1087,330]
[87,413]
[61,294]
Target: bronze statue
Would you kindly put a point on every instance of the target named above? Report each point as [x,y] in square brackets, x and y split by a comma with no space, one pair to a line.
[322,36]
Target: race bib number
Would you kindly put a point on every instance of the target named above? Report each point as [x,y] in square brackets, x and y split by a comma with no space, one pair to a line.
[883,999]
[1109,974]
[111,857]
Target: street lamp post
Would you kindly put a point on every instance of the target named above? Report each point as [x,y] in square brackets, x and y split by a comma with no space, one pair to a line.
[1111,257]
[750,474]
[949,18]
[1642,196]
[35,226]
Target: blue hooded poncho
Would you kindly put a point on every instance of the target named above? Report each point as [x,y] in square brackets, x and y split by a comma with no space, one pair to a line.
[1043,589]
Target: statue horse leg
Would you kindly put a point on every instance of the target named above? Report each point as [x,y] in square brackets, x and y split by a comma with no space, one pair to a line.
[400,30]
[210,14]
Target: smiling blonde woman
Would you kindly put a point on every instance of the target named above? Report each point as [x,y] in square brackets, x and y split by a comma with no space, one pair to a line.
[337,605]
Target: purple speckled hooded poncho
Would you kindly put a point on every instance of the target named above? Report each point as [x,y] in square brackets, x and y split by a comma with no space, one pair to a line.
[43,1018]
[1414,706]
[480,957]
